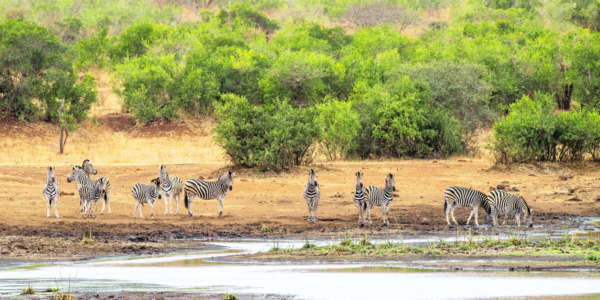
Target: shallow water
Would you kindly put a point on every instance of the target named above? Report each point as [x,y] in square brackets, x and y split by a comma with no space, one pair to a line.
[195,272]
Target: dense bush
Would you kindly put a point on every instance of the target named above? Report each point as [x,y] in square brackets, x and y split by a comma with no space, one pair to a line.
[398,121]
[247,14]
[269,137]
[340,124]
[35,72]
[532,133]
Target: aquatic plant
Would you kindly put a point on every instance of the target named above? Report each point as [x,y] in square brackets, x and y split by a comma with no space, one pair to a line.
[28,290]
[52,290]
[229,296]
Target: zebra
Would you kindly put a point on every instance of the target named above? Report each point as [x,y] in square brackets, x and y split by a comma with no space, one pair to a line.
[146,193]
[360,199]
[89,169]
[51,192]
[381,197]
[171,188]
[502,201]
[456,195]
[208,190]
[90,191]
[312,194]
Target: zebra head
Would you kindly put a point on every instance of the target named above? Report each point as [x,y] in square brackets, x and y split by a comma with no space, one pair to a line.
[227,178]
[88,168]
[390,182]
[312,177]
[50,172]
[359,179]
[76,172]
[162,173]
[527,210]
[158,184]
[101,184]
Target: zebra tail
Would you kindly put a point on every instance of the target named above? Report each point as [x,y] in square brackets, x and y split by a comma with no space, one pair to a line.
[51,201]
[185,199]
[445,205]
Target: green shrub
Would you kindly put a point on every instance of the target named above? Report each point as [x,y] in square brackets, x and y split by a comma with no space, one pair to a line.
[593,257]
[531,132]
[397,122]
[246,14]
[340,123]
[133,41]
[270,137]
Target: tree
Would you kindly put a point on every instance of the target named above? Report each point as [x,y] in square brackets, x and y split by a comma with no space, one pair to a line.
[34,68]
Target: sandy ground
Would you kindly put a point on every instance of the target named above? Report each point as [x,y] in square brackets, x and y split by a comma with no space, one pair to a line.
[274,201]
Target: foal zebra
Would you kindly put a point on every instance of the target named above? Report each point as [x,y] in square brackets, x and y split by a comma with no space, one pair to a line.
[360,198]
[456,195]
[312,194]
[171,188]
[146,193]
[51,192]
[381,197]
[503,201]
[89,169]
[82,179]
[208,190]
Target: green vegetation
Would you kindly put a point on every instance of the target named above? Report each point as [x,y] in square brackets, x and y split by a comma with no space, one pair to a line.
[88,240]
[64,296]
[28,290]
[287,88]
[588,249]
[52,290]
[229,296]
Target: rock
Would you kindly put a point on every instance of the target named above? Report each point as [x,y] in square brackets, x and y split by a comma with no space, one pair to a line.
[492,188]
[598,198]
[435,161]
[564,177]
[395,195]
[201,177]
[243,179]
[515,189]
[501,186]
[571,190]
[531,174]
[64,193]
[575,199]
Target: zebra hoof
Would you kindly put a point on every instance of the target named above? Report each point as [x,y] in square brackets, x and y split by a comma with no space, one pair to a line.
[220,213]
[48,216]
[191,215]
[101,213]
[177,213]
[57,217]
[362,225]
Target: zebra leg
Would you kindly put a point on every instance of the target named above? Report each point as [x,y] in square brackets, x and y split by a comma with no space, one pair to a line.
[141,216]
[369,213]
[103,205]
[177,203]
[452,212]
[220,206]
[171,204]
[166,203]
[315,209]
[448,208]
[47,206]
[309,211]
[56,207]
[135,209]
[476,216]
[359,213]
[518,217]
[469,219]
[95,208]
[151,209]
[190,198]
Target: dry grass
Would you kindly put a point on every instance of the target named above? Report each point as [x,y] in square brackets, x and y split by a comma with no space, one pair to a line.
[105,147]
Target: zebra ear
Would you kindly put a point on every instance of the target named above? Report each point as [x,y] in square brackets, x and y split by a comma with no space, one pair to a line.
[361,173]
[232,174]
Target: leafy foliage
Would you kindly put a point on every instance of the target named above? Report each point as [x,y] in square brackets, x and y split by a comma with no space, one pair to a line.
[531,132]
[271,137]
[340,123]
[34,67]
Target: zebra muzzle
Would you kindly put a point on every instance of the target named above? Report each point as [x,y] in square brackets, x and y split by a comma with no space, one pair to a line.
[231,188]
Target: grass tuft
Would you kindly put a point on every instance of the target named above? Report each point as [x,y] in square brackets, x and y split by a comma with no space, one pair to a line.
[28,290]
[265,228]
[89,241]
[52,290]
[593,257]
[229,296]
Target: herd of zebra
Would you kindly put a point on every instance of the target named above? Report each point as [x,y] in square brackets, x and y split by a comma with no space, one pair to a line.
[90,191]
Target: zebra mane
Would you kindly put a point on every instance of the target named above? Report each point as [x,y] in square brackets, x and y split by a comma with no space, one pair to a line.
[526,205]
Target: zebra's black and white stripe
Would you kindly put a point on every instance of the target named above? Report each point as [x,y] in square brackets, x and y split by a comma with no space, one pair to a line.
[51,192]
[171,188]
[207,190]
[89,191]
[89,169]
[503,201]
[312,194]
[456,195]
[146,193]
[360,198]
[381,197]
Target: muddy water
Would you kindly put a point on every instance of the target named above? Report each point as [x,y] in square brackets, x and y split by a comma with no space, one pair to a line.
[196,272]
